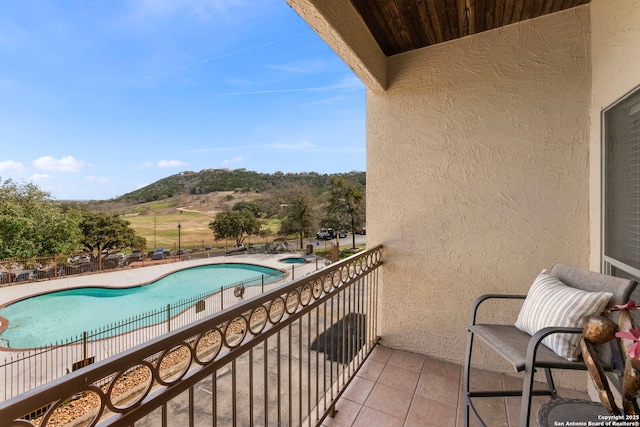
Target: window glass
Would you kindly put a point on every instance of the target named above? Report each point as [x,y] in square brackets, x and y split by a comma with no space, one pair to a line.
[622,182]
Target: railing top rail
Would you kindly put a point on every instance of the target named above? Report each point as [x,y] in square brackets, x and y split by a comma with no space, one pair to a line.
[340,274]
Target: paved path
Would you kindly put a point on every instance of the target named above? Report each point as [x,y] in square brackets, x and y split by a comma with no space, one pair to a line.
[40,368]
[141,275]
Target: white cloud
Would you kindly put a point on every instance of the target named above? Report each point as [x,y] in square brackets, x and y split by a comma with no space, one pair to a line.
[300,146]
[229,162]
[240,82]
[203,10]
[349,82]
[10,165]
[65,164]
[164,164]
[41,177]
[301,66]
[98,179]
[170,164]
[145,165]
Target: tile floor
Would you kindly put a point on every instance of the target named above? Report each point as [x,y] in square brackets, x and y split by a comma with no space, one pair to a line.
[398,388]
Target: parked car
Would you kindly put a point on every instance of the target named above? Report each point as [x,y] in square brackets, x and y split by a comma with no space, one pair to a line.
[236,251]
[328,233]
[48,273]
[134,257]
[26,276]
[4,277]
[325,234]
[157,256]
[112,261]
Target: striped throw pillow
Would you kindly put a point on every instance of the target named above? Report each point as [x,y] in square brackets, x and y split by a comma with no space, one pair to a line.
[550,302]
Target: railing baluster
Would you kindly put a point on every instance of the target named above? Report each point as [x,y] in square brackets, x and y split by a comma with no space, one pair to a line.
[339,320]
[289,376]
[317,335]
[234,394]
[266,382]
[191,408]
[251,387]
[214,398]
[278,364]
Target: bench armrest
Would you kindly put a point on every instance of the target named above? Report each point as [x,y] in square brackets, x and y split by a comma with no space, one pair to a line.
[483,298]
[537,338]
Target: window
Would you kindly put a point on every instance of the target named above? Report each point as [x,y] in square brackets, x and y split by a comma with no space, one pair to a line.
[621,185]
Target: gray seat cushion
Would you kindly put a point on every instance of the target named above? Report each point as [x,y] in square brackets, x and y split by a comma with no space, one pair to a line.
[594,282]
[511,343]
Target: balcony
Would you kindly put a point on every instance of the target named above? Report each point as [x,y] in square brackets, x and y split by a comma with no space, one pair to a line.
[484,166]
[399,388]
[283,357]
[288,357]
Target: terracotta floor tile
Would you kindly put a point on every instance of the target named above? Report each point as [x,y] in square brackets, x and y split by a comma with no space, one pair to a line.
[399,378]
[398,388]
[492,410]
[389,400]
[381,353]
[427,412]
[513,403]
[442,368]
[439,387]
[346,415]
[410,361]
[371,370]
[485,380]
[369,417]
[359,390]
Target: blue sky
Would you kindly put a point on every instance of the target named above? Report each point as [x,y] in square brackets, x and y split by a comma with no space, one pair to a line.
[101,97]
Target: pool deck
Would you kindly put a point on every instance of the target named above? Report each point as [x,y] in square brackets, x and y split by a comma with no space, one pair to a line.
[51,364]
[140,275]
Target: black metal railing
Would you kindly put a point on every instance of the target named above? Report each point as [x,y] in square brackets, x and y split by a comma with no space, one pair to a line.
[281,358]
[26,369]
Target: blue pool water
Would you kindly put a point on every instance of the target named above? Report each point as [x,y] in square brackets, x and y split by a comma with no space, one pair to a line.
[292,260]
[58,316]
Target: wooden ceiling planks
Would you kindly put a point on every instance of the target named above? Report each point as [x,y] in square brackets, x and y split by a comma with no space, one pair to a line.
[403,25]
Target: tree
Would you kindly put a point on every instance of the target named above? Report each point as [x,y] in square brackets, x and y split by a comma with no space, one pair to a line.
[299,207]
[106,232]
[346,207]
[32,224]
[236,225]
[253,206]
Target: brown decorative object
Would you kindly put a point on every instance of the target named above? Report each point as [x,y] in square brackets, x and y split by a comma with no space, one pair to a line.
[625,324]
[630,387]
[599,379]
[599,330]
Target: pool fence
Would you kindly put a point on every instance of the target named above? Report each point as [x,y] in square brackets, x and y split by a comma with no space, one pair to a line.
[25,369]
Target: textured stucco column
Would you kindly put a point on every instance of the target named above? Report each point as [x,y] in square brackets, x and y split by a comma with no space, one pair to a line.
[615,41]
[477,174]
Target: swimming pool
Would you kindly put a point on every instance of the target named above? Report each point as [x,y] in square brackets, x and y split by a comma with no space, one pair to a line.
[57,316]
[293,260]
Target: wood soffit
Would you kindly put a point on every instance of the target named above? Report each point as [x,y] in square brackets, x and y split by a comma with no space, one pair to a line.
[403,25]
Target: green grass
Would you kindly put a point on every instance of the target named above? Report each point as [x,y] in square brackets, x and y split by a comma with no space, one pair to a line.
[162,230]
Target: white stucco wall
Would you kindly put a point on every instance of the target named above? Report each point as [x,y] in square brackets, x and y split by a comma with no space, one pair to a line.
[615,41]
[477,174]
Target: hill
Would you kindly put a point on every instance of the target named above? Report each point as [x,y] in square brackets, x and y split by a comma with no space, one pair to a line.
[211,189]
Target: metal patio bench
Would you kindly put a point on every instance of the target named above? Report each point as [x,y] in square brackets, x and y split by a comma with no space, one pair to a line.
[525,351]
